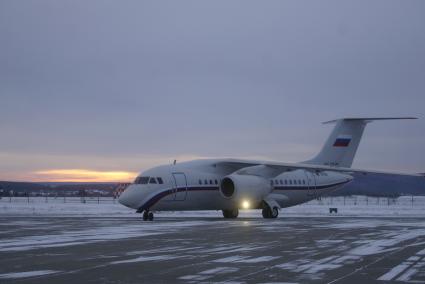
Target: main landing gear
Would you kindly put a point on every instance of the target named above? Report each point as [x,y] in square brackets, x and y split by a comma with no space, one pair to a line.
[270,213]
[230,214]
[147,216]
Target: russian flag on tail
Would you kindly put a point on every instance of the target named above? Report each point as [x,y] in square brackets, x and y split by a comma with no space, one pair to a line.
[342,141]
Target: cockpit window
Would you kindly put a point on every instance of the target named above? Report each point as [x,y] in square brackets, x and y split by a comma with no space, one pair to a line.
[159,180]
[152,180]
[141,180]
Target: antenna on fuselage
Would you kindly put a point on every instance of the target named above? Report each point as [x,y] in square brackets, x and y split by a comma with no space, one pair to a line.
[175,161]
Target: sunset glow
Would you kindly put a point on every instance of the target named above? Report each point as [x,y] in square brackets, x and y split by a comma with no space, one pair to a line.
[84,175]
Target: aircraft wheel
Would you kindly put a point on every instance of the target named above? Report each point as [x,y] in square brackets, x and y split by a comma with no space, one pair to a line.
[275,212]
[230,214]
[145,215]
[269,213]
[150,216]
[266,212]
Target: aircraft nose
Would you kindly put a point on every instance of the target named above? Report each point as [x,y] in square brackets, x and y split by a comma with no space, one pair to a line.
[126,198]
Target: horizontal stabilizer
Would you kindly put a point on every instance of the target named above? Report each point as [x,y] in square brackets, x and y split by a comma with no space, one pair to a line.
[368,119]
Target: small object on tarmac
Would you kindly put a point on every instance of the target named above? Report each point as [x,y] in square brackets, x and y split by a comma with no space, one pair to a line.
[333,210]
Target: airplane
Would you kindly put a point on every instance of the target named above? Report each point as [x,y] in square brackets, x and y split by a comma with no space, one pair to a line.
[232,184]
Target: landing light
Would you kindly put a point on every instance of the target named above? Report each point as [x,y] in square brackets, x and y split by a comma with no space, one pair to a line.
[245,204]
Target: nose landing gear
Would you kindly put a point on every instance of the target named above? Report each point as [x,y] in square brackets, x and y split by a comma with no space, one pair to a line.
[230,214]
[147,216]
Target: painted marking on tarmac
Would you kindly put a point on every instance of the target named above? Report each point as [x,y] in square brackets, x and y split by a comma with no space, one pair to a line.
[407,269]
[390,275]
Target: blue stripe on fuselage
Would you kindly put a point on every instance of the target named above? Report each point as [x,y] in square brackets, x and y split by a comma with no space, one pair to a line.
[151,202]
[292,187]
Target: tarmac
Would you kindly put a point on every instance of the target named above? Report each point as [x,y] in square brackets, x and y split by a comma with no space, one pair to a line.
[183,249]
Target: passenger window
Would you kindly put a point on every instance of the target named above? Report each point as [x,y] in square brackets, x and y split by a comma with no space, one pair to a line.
[211,181]
[286,181]
[200,181]
[290,181]
[271,182]
[159,180]
[299,182]
[281,182]
[216,182]
[303,181]
[152,180]
[205,182]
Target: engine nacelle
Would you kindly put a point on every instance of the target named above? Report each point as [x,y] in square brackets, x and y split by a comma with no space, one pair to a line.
[245,188]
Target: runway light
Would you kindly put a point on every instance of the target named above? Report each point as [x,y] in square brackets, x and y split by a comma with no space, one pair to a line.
[245,204]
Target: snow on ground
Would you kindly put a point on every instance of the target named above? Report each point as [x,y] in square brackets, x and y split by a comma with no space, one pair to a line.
[26,274]
[383,245]
[108,207]
[62,206]
[77,237]
[207,274]
[145,258]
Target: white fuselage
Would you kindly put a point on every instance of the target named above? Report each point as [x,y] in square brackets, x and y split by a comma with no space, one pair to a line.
[196,185]
[231,184]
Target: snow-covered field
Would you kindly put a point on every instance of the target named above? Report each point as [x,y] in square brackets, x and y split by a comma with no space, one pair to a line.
[347,206]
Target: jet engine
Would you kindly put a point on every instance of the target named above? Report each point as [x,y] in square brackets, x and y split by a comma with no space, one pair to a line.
[247,190]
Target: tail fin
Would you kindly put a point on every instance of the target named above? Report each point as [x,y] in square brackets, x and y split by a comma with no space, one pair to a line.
[341,146]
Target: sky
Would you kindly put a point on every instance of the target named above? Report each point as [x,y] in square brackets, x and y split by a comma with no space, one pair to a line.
[101,90]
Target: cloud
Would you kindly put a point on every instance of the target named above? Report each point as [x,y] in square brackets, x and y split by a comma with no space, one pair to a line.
[113,86]
[83,175]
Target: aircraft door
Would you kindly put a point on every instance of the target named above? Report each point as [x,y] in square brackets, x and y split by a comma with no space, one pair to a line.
[311,180]
[180,186]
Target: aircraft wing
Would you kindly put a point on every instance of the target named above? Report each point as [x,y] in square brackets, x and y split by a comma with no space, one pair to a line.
[272,169]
